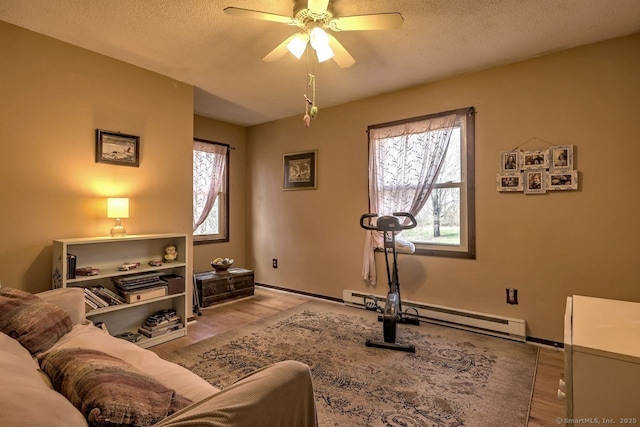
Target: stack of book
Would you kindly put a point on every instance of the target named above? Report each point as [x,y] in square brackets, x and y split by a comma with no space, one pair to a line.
[140,287]
[99,297]
[161,323]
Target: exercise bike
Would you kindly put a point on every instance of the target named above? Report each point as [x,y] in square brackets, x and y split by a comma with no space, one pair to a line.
[392,313]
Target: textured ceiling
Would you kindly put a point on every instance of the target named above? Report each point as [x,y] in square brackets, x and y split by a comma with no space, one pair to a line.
[193,41]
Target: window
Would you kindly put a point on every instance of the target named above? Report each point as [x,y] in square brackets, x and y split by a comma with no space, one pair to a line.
[210,191]
[425,166]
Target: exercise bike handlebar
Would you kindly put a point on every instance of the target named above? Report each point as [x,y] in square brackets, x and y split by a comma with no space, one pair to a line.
[388,223]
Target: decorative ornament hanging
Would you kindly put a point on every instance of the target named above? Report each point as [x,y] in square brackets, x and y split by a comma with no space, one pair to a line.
[308,115]
[306,118]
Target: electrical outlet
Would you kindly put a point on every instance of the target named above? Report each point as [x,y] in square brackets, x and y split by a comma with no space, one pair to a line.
[275,263]
[512,296]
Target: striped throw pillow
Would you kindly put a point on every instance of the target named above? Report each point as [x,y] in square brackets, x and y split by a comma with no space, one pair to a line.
[36,324]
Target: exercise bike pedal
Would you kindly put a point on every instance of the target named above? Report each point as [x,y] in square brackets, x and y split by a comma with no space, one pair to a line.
[410,318]
[371,303]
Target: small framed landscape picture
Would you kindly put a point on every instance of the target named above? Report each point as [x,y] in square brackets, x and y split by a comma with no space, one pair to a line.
[534,181]
[300,170]
[117,148]
[509,161]
[538,159]
[562,180]
[510,182]
[561,157]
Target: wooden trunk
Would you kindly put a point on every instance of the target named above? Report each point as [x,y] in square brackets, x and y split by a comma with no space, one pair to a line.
[215,287]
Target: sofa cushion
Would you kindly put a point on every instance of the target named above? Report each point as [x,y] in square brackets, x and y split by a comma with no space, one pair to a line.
[180,379]
[35,323]
[25,398]
[71,300]
[107,390]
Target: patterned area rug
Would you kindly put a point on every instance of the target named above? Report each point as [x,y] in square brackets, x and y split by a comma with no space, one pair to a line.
[455,378]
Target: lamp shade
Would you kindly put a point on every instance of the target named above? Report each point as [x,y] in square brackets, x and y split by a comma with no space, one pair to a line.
[320,42]
[318,38]
[117,207]
[298,45]
[324,53]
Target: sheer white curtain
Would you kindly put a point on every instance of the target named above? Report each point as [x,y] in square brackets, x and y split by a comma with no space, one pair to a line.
[404,162]
[208,173]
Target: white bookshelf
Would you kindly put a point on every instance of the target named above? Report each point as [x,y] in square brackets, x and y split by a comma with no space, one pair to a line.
[107,254]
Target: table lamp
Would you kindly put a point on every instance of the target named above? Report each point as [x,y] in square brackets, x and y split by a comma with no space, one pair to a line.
[118,207]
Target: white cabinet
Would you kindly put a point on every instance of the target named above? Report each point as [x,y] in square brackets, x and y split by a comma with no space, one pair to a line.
[602,360]
[107,254]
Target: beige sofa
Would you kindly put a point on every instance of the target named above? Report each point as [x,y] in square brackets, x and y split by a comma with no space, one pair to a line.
[279,395]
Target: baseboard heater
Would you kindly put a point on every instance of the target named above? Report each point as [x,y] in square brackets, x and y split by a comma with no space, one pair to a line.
[489,324]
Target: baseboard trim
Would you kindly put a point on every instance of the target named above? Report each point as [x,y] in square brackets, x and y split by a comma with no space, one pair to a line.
[533,340]
[295,291]
[542,341]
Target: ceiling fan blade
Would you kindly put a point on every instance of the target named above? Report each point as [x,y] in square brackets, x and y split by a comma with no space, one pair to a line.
[377,21]
[279,50]
[318,6]
[340,54]
[255,14]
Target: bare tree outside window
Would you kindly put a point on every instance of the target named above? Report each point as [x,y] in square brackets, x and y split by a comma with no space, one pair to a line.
[439,222]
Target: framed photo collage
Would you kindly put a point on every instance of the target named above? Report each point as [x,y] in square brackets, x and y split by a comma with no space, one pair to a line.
[539,171]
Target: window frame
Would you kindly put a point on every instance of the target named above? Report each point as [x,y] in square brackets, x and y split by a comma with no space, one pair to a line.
[467,185]
[223,211]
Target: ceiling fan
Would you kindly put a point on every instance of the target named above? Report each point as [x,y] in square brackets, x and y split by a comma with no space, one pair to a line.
[314,17]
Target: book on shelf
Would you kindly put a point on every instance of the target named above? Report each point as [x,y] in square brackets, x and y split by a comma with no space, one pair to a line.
[141,286]
[137,278]
[162,323]
[157,332]
[108,295]
[94,298]
[138,281]
[90,304]
[71,266]
[100,297]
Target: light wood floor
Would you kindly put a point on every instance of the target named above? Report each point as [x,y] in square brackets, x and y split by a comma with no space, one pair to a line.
[545,406]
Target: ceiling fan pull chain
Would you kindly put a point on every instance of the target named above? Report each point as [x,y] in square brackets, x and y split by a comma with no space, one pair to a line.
[307,118]
[314,108]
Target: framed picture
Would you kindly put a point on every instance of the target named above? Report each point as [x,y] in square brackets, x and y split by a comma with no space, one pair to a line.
[561,157]
[538,159]
[300,170]
[510,161]
[117,148]
[510,181]
[534,181]
[562,180]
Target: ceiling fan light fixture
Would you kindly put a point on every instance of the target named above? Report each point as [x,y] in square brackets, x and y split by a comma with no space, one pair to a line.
[324,53]
[320,42]
[313,17]
[298,45]
[319,38]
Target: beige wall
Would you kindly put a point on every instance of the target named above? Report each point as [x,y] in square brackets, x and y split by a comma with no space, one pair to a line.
[53,97]
[547,246]
[217,131]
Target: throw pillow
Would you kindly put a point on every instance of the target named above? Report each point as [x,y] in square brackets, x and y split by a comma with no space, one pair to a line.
[107,390]
[36,324]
